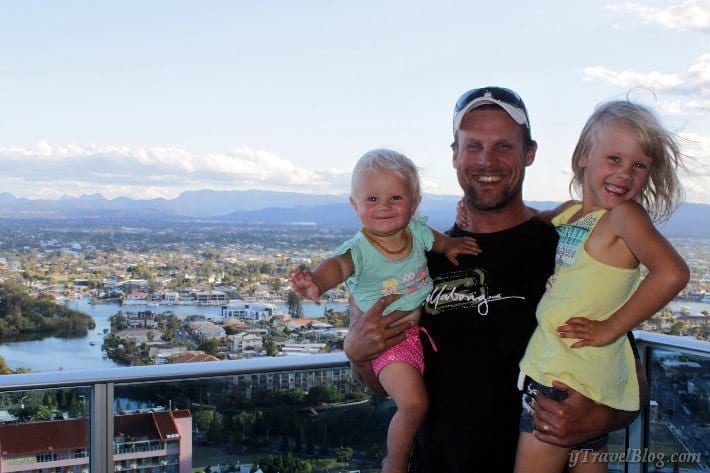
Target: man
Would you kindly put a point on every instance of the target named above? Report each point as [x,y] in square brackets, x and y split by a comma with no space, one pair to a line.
[482,312]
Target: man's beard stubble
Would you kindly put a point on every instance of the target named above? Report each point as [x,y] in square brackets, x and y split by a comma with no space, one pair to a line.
[476,202]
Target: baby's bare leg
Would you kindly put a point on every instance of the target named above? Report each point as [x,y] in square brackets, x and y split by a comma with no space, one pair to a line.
[405,385]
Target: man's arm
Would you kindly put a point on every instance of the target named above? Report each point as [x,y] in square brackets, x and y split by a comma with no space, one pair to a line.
[369,335]
[578,419]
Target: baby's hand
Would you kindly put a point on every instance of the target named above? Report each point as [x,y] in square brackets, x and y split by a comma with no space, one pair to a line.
[462,219]
[591,333]
[303,283]
[456,246]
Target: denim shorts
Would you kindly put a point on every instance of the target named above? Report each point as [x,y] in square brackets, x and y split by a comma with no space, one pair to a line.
[530,389]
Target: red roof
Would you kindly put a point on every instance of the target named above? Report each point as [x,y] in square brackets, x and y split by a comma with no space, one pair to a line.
[36,437]
[192,357]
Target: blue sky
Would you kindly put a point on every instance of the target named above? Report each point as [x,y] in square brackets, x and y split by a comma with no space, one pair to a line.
[149,99]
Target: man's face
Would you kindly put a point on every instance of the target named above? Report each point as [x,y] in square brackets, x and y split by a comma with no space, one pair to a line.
[490,158]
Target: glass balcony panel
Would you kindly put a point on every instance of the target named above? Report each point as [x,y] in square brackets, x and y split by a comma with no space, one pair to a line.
[174,418]
[319,416]
[678,427]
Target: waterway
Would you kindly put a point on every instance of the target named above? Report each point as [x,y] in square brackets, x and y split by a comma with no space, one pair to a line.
[54,353]
[84,352]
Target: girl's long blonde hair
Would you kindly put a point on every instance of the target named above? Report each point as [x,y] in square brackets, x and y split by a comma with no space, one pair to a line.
[664,193]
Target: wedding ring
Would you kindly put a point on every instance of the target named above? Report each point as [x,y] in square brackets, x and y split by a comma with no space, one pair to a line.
[545,427]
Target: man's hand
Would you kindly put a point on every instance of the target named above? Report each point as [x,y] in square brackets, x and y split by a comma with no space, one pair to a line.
[369,335]
[578,419]
[572,421]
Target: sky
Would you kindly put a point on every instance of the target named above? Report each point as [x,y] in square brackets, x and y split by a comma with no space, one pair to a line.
[151,99]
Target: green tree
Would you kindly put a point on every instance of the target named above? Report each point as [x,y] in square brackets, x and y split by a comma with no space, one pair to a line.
[267,268]
[269,346]
[336,319]
[274,284]
[43,412]
[4,369]
[283,464]
[215,432]
[344,455]
[141,271]
[246,421]
[289,396]
[118,322]
[295,307]
[203,419]
[211,346]
[324,393]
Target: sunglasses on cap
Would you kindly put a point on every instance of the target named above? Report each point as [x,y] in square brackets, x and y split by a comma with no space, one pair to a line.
[500,96]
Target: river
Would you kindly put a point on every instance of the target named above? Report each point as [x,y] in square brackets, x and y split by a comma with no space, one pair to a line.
[54,353]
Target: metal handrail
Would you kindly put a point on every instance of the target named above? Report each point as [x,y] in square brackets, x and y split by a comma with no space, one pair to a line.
[177,371]
[687,345]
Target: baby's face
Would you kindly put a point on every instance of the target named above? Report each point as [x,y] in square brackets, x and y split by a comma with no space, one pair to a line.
[384,202]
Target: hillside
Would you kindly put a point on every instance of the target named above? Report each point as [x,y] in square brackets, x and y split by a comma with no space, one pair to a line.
[267,207]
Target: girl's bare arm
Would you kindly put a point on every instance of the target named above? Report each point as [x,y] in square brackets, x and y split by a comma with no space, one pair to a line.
[667,276]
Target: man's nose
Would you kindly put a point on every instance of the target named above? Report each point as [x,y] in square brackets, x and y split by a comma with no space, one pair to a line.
[487,157]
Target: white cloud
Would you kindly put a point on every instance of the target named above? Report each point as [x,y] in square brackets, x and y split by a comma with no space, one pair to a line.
[53,170]
[688,15]
[693,84]
[656,81]
[696,178]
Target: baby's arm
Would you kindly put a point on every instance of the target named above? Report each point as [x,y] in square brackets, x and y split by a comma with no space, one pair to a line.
[328,274]
[667,276]
[452,247]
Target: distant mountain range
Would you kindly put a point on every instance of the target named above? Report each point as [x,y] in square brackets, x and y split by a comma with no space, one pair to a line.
[268,207]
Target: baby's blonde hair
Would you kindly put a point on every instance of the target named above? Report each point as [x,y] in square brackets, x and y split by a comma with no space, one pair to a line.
[664,193]
[379,159]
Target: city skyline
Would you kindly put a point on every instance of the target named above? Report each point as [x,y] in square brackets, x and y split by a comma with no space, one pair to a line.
[151,100]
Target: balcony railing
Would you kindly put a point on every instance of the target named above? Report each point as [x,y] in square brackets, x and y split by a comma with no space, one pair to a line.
[655,350]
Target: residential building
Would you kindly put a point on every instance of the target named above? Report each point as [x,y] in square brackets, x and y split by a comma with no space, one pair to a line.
[303,348]
[136,298]
[150,442]
[209,297]
[253,311]
[140,335]
[141,319]
[208,330]
[245,341]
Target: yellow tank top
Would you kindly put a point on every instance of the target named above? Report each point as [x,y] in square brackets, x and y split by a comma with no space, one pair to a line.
[583,286]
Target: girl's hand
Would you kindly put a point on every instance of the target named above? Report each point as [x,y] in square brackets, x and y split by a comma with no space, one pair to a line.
[591,333]
[456,246]
[303,283]
[462,218]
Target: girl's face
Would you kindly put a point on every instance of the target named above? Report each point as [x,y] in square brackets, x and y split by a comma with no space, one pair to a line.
[616,169]
[384,202]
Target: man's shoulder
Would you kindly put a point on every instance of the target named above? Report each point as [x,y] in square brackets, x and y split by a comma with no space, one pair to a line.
[531,225]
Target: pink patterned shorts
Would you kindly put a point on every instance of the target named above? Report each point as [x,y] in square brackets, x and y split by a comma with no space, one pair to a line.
[409,350]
